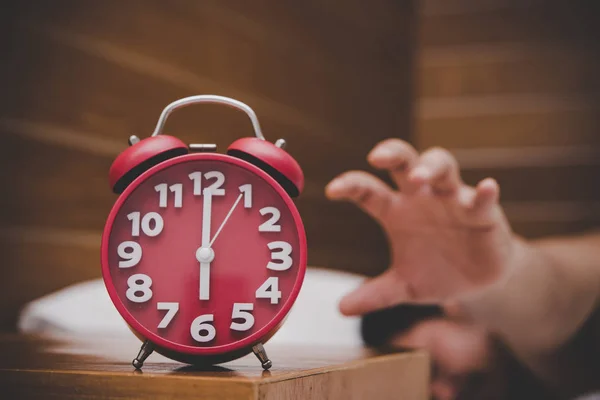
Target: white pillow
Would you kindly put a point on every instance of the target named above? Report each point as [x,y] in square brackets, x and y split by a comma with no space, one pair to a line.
[86,309]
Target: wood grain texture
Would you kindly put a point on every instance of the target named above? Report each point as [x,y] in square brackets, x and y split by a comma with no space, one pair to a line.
[509,87]
[100,368]
[80,77]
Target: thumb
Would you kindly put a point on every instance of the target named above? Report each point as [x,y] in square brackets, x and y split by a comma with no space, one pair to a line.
[457,349]
[386,290]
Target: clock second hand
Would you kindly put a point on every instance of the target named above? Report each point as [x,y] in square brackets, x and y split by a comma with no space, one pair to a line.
[226,219]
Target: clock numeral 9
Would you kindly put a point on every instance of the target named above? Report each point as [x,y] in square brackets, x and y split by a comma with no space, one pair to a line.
[132,257]
[152,223]
[139,283]
[201,330]
[215,188]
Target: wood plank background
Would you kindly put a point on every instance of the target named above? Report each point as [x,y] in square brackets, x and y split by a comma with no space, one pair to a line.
[79,77]
[510,86]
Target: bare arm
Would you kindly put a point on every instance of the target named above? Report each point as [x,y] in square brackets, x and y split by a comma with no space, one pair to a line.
[540,309]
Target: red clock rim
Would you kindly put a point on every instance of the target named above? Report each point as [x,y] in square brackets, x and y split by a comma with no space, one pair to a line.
[222,349]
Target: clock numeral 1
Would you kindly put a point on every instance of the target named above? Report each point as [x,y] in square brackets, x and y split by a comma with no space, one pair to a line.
[241,311]
[283,255]
[131,257]
[171,308]
[247,191]
[269,290]
[201,329]
[139,288]
[270,225]
[177,189]
[152,223]
[215,188]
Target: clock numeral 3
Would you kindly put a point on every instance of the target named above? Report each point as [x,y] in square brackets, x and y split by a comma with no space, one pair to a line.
[215,188]
[283,255]
[269,290]
[152,223]
[241,311]
[201,330]
[139,283]
[132,257]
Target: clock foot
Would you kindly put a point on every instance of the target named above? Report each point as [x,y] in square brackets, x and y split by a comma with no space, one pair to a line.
[146,349]
[261,354]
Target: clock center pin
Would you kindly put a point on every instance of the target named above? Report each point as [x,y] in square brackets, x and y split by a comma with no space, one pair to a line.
[205,254]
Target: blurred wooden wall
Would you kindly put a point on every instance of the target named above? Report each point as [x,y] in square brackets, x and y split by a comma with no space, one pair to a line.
[512,88]
[77,78]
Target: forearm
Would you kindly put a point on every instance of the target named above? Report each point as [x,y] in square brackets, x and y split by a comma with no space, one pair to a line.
[551,290]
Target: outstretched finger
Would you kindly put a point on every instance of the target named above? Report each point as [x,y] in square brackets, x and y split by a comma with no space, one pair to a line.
[398,157]
[386,290]
[365,190]
[439,169]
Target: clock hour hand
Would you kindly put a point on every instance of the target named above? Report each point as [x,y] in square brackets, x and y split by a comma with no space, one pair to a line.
[204,254]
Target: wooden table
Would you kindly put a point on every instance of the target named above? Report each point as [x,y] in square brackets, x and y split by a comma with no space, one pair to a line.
[33,367]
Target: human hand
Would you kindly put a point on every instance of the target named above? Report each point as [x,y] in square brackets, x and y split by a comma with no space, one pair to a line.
[446,238]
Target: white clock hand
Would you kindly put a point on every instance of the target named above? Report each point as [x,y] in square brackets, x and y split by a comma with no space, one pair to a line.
[204,254]
[226,218]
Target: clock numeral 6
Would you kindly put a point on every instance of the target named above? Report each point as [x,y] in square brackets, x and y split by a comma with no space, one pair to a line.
[215,188]
[139,288]
[131,257]
[201,330]
[269,290]
[283,255]
[241,311]
[152,223]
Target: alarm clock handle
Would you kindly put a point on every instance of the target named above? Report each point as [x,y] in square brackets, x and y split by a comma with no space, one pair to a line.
[211,98]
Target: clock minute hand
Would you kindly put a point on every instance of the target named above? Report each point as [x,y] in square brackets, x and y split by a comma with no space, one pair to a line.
[226,219]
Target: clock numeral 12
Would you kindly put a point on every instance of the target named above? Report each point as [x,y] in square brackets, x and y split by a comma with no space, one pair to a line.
[215,188]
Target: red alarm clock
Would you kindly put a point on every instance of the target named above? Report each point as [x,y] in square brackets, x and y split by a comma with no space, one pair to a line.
[203,254]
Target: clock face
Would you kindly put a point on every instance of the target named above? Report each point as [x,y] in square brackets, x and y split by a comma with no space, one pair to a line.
[204,254]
